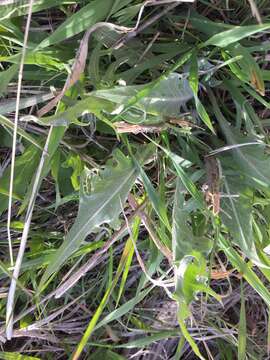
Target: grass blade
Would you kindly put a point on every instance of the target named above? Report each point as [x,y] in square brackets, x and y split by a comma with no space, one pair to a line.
[242,328]
[238,33]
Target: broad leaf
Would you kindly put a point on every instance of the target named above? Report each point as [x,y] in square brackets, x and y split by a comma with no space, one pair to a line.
[237,216]
[90,105]
[246,150]
[101,203]
[166,98]
[184,242]
[190,271]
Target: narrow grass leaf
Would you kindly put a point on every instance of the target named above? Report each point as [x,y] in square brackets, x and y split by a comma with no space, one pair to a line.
[95,318]
[6,76]
[7,106]
[130,247]
[238,33]
[158,205]
[194,84]
[245,269]
[188,337]
[242,328]
[147,340]
[17,8]
[5,355]
[83,19]
[57,134]
[247,68]
[25,166]
[9,124]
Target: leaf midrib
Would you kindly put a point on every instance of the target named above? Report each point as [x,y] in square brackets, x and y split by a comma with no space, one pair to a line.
[81,231]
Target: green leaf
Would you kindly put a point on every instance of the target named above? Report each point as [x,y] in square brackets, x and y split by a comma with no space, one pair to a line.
[146,90]
[203,113]
[135,233]
[111,355]
[186,180]
[247,112]
[184,242]
[205,25]
[147,340]
[237,216]
[91,325]
[50,60]
[5,355]
[56,136]
[228,37]
[20,7]
[242,328]
[193,73]
[188,337]
[125,308]
[83,19]
[189,264]
[179,163]
[165,98]
[190,278]
[74,161]
[246,68]
[90,105]
[251,160]
[10,124]
[25,166]
[194,84]
[158,205]
[245,269]
[102,203]
[6,76]
[7,106]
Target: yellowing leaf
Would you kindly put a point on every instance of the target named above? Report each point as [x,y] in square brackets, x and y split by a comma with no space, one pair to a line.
[257,82]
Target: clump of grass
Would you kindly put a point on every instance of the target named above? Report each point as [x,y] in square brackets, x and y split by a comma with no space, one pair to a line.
[134,188]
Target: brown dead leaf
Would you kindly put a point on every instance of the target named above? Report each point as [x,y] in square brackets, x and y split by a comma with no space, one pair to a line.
[220,274]
[212,193]
[124,127]
[182,122]
[257,82]
[255,11]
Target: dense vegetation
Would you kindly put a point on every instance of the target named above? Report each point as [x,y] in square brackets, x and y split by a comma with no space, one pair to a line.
[134,179]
